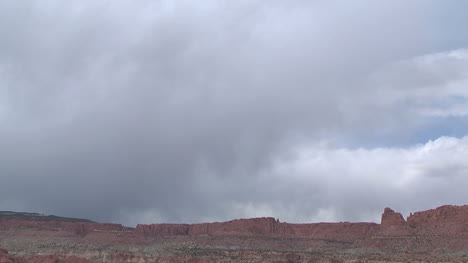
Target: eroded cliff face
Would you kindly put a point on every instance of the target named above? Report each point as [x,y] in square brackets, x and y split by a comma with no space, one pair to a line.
[440,233]
[264,227]
[163,229]
[391,218]
[446,214]
[273,228]
[443,221]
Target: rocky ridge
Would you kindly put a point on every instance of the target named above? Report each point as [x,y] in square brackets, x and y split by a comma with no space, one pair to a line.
[440,233]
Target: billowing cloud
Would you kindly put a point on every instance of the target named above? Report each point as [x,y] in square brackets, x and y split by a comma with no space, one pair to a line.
[319,183]
[417,177]
[183,111]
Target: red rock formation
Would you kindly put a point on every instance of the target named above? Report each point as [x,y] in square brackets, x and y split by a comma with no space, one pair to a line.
[163,229]
[441,215]
[265,227]
[329,231]
[393,224]
[428,234]
[391,218]
[445,220]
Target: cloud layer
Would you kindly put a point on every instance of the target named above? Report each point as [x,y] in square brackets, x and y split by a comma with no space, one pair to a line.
[187,112]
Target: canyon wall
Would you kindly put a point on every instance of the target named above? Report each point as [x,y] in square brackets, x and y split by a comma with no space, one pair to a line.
[444,220]
[265,227]
[440,233]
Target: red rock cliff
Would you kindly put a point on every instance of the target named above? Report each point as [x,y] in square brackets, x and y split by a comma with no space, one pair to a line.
[163,229]
[265,227]
[390,217]
[425,235]
[444,220]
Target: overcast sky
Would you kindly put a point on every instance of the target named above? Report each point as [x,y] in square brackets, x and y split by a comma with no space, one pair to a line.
[192,111]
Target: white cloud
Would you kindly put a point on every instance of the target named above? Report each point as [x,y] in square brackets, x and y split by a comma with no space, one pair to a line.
[338,181]
[323,184]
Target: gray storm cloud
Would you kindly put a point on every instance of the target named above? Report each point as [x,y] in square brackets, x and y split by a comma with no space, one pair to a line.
[183,111]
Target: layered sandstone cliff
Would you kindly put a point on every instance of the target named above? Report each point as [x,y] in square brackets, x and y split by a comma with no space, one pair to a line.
[444,220]
[440,233]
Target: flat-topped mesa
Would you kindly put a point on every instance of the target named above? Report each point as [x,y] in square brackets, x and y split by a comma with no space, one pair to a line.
[392,218]
[163,229]
[328,231]
[265,227]
[239,227]
[444,220]
[440,215]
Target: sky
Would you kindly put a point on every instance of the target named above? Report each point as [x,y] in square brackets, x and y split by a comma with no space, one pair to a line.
[195,111]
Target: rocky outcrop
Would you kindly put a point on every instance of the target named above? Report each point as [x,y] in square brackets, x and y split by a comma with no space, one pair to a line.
[163,229]
[393,224]
[440,234]
[445,220]
[446,214]
[264,227]
[391,218]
